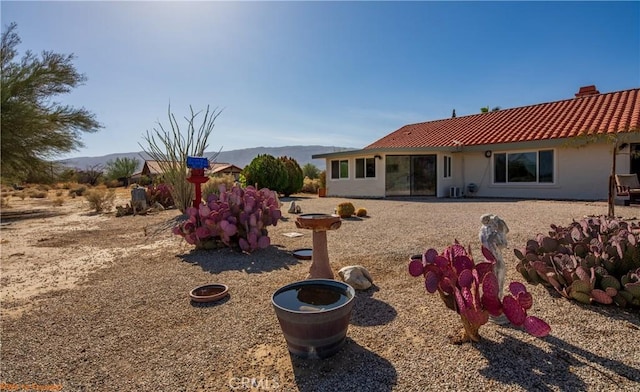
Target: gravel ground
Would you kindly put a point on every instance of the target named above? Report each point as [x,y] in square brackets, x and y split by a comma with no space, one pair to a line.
[128,324]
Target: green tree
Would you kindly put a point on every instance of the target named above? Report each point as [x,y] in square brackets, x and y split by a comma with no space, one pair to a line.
[267,172]
[121,168]
[310,170]
[34,127]
[295,178]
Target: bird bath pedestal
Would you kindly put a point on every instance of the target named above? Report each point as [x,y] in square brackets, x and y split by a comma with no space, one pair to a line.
[320,224]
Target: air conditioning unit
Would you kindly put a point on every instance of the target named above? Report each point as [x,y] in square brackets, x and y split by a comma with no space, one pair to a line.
[454,192]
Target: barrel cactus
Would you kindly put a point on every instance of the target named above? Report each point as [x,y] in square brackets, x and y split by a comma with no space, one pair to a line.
[472,290]
[345,209]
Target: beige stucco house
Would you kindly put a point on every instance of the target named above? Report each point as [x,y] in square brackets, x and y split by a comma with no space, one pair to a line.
[556,150]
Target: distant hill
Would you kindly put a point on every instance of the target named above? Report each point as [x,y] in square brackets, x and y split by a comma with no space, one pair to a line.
[240,158]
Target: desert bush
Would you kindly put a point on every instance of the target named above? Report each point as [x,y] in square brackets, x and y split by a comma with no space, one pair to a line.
[361,212]
[59,193]
[4,202]
[310,185]
[21,195]
[112,183]
[58,201]
[43,187]
[66,185]
[100,199]
[34,194]
[213,185]
[78,190]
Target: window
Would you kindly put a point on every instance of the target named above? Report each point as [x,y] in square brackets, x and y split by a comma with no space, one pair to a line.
[340,169]
[527,167]
[447,166]
[365,167]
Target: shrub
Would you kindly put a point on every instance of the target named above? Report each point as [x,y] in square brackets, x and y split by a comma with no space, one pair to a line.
[59,193]
[160,193]
[310,170]
[5,202]
[213,185]
[58,201]
[345,209]
[236,218]
[38,194]
[43,187]
[112,183]
[100,199]
[361,212]
[310,185]
[78,190]
[294,176]
[323,179]
[266,171]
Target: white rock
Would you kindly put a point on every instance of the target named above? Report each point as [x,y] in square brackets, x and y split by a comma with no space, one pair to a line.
[357,276]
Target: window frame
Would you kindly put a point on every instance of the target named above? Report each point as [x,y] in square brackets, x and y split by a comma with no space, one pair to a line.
[340,163]
[366,164]
[503,158]
[446,166]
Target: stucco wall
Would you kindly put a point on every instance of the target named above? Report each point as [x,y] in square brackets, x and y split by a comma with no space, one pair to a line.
[580,174]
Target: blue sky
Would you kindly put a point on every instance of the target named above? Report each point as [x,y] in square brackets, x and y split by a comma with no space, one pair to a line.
[329,73]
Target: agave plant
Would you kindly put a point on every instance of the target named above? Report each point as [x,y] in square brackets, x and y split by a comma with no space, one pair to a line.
[235,218]
[472,290]
[594,260]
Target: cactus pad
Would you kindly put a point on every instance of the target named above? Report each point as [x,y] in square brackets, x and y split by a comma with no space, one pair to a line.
[536,327]
[601,297]
[581,297]
[514,312]
[581,286]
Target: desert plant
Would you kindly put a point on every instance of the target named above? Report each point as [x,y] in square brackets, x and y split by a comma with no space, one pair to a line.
[471,290]
[160,193]
[171,149]
[59,193]
[361,212]
[236,218]
[35,194]
[323,179]
[121,168]
[58,201]
[5,202]
[213,185]
[310,170]
[591,260]
[294,176]
[310,185]
[100,199]
[266,171]
[345,209]
[77,190]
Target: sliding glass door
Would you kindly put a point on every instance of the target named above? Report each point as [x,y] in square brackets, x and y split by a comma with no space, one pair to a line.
[410,175]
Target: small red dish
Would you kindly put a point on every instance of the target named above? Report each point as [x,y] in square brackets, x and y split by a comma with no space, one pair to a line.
[209,293]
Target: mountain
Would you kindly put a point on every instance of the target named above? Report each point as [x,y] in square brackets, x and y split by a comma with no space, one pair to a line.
[240,158]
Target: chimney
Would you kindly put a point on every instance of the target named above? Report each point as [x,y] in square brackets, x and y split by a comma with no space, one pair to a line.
[587,90]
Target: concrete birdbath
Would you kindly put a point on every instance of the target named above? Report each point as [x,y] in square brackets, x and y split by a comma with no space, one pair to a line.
[320,224]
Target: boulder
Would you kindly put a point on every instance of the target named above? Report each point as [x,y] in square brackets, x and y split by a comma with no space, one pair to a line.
[357,276]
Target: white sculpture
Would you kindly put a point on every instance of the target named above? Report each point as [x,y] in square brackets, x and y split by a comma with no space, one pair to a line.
[493,235]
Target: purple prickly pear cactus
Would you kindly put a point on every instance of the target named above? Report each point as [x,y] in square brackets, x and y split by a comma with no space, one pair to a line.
[474,291]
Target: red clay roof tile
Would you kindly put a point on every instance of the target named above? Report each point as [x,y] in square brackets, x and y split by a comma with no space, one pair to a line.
[593,114]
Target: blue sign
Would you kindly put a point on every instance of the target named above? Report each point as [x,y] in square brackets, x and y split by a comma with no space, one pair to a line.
[197,163]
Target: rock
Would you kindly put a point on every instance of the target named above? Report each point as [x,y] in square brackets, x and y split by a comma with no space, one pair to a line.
[357,276]
[294,209]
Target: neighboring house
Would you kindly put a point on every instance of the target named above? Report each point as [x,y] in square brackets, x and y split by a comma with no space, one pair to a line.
[153,169]
[533,151]
[224,168]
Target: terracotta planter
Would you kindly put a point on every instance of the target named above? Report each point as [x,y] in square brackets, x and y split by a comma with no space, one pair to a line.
[314,316]
[322,192]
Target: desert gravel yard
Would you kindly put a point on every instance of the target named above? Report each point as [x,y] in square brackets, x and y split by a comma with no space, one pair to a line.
[100,303]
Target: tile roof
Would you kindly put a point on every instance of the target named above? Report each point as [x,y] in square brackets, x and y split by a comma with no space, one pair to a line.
[591,113]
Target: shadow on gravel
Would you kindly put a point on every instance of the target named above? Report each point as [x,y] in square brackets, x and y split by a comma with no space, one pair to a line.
[354,368]
[513,361]
[226,259]
[368,311]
